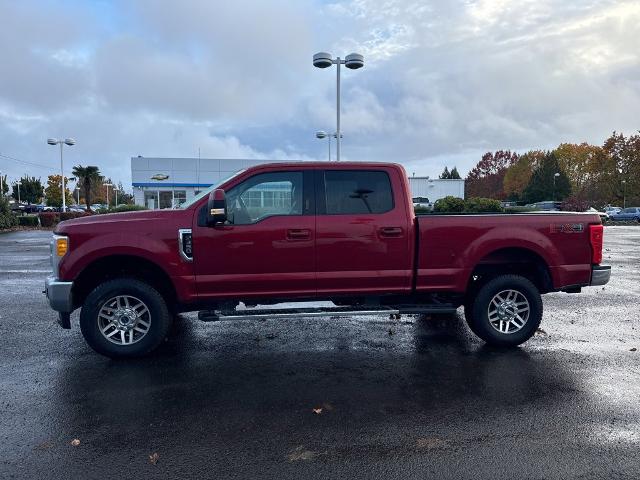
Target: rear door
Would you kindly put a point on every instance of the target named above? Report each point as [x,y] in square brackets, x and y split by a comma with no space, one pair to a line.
[362,232]
[266,249]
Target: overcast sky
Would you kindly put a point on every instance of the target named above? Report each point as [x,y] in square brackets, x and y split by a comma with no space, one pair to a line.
[443,82]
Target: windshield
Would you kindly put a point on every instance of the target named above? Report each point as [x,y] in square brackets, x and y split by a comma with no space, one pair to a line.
[207,191]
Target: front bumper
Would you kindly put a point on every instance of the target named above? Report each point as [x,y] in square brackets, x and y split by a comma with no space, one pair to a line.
[600,274]
[59,294]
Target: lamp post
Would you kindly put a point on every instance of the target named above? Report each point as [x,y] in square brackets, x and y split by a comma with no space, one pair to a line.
[18,183]
[77,189]
[555,175]
[624,194]
[69,142]
[115,190]
[322,134]
[352,61]
[1,185]
[108,185]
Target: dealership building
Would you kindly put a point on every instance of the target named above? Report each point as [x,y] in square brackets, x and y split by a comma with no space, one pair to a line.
[168,182]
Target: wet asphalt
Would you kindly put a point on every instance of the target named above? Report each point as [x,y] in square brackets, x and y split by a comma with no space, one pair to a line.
[415,398]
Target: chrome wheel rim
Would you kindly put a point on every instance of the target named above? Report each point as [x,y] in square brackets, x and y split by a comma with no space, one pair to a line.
[124,320]
[508,311]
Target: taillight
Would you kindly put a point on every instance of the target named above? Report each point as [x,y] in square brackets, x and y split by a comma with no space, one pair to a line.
[596,235]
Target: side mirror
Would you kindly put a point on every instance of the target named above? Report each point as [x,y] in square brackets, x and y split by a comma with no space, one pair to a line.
[216,208]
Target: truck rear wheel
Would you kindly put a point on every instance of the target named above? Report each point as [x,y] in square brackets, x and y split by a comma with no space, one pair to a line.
[124,318]
[505,311]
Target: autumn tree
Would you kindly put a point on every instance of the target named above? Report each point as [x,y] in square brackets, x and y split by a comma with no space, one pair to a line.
[487,177]
[548,182]
[625,158]
[31,190]
[518,175]
[53,192]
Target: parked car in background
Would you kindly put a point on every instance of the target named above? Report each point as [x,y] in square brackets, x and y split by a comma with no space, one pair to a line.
[609,210]
[77,208]
[422,202]
[98,206]
[604,216]
[546,206]
[629,214]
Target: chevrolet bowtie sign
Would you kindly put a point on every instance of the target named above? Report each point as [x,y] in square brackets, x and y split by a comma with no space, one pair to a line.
[159,176]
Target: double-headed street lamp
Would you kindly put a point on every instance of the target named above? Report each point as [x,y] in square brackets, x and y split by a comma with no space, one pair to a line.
[18,183]
[352,61]
[66,141]
[322,134]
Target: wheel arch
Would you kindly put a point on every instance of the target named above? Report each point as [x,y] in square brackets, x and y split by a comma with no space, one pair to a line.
[511,261]
[118,266]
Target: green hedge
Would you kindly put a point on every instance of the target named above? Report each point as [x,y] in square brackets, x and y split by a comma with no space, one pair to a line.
[28,221]
[7,218]
[121,208]
[452,204]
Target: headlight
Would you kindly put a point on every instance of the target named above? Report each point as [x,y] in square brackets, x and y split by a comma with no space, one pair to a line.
[59,248]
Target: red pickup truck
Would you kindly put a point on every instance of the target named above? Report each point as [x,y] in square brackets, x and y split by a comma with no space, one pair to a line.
[340,232]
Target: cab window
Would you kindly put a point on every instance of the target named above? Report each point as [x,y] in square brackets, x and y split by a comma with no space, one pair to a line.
[265,195]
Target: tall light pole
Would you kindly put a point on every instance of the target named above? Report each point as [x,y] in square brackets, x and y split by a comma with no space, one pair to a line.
[66,141]
[352,61]
[108,185]
[322,134]
[1,185]
[18,183]
[115,190]
[77,189]
[624,194]
[555,175]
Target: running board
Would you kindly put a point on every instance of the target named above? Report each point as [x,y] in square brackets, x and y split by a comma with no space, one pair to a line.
[264,314]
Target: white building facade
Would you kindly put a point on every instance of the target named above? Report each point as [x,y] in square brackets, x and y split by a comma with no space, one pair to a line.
[436,188]
[168,182]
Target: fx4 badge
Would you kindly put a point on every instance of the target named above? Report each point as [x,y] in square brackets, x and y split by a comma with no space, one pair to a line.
[567,228]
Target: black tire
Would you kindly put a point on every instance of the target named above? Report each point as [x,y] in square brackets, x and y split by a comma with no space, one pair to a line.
[158,315]
[477,315]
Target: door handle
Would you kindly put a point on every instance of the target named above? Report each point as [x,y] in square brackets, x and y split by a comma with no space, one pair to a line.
[299,234]
[390,232]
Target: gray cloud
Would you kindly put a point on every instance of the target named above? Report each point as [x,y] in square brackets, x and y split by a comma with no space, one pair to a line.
[443,82]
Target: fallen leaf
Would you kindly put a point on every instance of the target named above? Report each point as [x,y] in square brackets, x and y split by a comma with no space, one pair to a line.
[540,332]
[317,411]
[75,442]
[431,443]
[631,349]
[153,458]
[299,453]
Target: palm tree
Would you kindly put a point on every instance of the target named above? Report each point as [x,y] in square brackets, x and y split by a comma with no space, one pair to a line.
[88,175]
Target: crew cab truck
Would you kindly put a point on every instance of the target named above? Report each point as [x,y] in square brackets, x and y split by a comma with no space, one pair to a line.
[342,232]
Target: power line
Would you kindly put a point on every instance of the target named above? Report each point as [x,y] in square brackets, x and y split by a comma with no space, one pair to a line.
[32,164]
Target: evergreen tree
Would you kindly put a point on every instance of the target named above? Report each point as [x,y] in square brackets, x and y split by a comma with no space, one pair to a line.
[445,174]
[545,184]
[31,190]
[454,174]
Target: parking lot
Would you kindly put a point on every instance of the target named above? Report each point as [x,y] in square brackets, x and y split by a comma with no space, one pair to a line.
[324,398]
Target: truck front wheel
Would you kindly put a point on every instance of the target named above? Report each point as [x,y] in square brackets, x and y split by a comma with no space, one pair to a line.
[505,311]
[124,318]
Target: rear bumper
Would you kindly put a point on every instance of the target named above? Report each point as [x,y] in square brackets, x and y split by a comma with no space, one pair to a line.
[600,274]
[59,294]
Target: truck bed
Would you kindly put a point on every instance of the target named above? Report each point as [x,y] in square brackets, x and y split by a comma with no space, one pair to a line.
[449,246]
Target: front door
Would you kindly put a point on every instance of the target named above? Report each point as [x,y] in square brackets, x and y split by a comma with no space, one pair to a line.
[363,239]
[266,249]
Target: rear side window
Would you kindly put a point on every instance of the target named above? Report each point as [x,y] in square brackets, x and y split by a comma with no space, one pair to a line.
[357,192]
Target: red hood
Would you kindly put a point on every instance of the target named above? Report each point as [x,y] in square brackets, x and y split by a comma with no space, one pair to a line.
[113,221]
